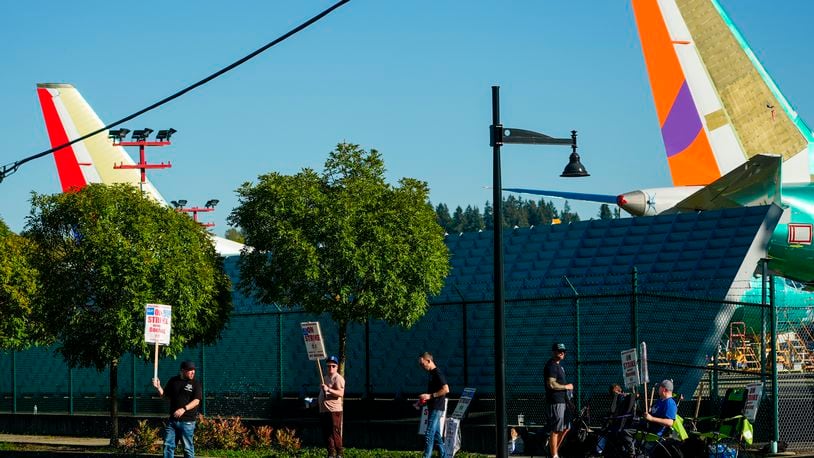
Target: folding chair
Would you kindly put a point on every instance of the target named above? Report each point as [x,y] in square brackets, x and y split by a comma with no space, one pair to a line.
[730,427]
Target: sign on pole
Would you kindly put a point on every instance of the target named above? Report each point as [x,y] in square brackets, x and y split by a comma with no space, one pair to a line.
[157,328]
[463,403]
[753,393]
[157,323]
[630,367]
[314,344]
[645,375]
[452,436]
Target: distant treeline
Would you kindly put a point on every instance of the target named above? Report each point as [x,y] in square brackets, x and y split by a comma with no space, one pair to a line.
[516,212]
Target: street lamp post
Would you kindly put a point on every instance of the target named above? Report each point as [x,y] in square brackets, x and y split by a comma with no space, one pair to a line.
[498,135]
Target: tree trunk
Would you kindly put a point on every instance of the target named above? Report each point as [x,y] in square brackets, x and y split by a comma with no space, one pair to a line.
[114,403]
[343,340]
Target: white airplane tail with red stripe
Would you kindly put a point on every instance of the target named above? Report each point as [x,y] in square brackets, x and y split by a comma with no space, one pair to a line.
[68,116]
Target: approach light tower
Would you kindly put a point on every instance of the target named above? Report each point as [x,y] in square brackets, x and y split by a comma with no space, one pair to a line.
[139,138]
[209,206]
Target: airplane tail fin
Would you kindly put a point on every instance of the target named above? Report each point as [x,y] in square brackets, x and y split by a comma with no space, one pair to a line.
[716,104]
[754,183]
[68,116]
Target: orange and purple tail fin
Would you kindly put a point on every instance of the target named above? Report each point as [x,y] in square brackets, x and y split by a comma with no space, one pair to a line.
[717,106]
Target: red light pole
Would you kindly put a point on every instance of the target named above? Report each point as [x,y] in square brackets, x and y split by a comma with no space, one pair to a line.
[208,207]
[139,138]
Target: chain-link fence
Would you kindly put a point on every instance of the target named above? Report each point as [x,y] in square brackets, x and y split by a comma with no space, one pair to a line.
[705,346]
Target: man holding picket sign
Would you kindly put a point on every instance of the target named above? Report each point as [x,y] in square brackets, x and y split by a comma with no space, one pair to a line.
[185,395]
[332,388]
[184,392]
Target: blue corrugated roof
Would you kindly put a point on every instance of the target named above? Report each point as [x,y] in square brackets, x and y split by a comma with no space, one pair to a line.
[702,250]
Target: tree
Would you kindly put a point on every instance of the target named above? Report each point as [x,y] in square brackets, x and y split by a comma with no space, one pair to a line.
[567,216]
[103,253]
[235,235]
[442,217]
[605,212]
[18,287]
[457,220]
[488,218]
[343,242]
[473,221]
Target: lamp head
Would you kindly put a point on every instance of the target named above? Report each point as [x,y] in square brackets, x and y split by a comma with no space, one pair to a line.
[117,135]
[574,168]
[211,203]
[164,135]
[141,135]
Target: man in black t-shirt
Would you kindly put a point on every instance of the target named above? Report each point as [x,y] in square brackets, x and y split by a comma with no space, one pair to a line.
[556,395]
[185,394]
[435,398]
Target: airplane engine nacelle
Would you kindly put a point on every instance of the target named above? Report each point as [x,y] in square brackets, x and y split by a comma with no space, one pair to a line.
[653,201]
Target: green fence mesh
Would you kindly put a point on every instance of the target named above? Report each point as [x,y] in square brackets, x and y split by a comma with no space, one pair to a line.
[705,346]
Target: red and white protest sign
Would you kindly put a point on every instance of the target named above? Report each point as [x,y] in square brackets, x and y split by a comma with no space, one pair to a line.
[157,324]
[314,344]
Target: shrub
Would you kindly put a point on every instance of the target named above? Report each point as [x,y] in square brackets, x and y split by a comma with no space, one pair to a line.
[221,433]
[263,437]
[287,440]
[141,439]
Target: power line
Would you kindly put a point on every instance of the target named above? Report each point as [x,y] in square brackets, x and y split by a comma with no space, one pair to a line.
[11,168]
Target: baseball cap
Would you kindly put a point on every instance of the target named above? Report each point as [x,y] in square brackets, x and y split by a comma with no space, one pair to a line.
[558,347]
[667,384]
[332,359]
[187,365]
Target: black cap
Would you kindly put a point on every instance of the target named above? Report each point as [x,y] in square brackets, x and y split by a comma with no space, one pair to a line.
[187,365]
[558,347]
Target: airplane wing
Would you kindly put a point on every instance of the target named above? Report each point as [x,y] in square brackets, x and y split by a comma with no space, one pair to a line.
[602,198]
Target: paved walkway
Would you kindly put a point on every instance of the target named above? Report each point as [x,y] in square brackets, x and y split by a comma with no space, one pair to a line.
[55,440]
[102,442]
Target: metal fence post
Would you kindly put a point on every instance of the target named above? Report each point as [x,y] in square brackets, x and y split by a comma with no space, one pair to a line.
[367,359]
[203,378]
[465,342]
[70,390]
[634,303]
[280,353]
[775,388]
[579,343]
[13,381]
[764,268]
[135,392]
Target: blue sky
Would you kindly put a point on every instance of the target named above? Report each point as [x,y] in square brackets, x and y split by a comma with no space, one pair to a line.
[411,79]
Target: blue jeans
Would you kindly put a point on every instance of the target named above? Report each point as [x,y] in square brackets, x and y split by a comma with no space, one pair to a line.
[187,430]
[434,434]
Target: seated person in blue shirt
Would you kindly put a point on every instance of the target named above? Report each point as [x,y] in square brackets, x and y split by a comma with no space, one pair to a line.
[664,410]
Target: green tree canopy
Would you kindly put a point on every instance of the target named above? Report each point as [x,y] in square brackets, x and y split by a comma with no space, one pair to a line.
[18,287]
[605,212]
[235,235]
[103,252]
[343,242]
